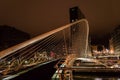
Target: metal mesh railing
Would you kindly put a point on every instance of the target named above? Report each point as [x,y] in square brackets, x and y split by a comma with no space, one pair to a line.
[58,43]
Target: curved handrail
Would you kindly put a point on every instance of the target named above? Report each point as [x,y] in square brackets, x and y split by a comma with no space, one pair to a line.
[40,37]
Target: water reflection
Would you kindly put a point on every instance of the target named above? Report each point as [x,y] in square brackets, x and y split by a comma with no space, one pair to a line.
[94,78]
[93,70]
[107,79]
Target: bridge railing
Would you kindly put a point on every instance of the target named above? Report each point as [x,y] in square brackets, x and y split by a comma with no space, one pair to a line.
[71,38]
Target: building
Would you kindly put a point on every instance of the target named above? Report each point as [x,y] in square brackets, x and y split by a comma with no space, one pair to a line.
[115,37]
[111,46]
[10,36]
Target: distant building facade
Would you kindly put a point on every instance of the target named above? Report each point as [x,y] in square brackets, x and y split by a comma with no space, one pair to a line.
[10,36]
[115,37]
[111,46]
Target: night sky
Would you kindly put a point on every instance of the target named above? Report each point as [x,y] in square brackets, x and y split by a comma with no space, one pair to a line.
[39,16]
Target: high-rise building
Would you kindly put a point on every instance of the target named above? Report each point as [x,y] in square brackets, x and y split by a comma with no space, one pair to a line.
[111,47]
[115,36]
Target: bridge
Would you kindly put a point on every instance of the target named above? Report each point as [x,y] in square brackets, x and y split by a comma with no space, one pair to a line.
[66,44]
[71,39]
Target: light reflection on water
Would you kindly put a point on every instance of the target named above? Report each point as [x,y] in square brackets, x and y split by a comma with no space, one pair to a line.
[96,79]
[106,79]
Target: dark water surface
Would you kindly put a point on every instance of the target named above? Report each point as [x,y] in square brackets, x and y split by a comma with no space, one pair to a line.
[96,76]
[43,72]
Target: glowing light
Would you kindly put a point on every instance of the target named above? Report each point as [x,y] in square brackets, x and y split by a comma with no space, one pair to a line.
[98,78]
[107,50]
[118,78]
[26,62]
[9,62]
[111,51]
